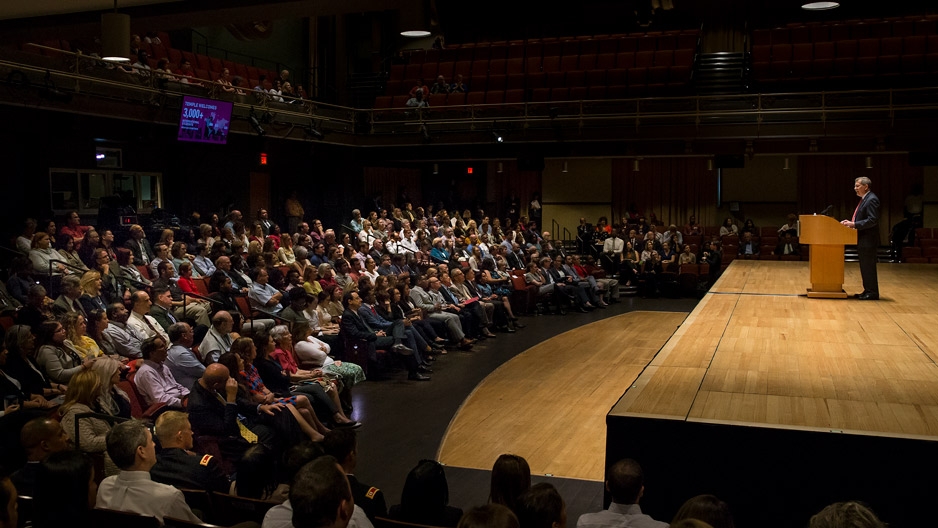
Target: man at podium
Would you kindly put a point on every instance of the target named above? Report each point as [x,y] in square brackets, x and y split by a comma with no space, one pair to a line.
[865,220]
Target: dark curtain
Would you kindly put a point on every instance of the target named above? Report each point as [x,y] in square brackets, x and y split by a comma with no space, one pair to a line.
[828,180]
[388,182]
[672,189]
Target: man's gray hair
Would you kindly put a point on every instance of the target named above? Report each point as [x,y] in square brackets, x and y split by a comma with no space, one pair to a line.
[123,441]
[863,180]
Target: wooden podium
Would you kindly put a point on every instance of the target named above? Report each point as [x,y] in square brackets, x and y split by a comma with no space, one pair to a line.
[827,238]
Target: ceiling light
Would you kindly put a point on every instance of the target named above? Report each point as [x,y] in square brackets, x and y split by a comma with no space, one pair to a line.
[415,33]
[498,137]
[869,162]
[786,166]
[501,168]
[635,165]
[710,164]
[115,37]
[565,167]
[436,168]
[820,6]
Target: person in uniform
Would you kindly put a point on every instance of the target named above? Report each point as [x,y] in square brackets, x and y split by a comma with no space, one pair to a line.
[177,465]
[343,445]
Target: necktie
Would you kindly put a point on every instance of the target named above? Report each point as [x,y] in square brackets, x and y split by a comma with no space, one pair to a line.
[150,326]
[170,315]
[854,219]
[246,433]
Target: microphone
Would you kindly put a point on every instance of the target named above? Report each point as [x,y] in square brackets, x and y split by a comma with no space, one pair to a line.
[827,210]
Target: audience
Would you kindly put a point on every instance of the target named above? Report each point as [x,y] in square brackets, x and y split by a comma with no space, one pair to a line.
[66,491]
[846,515]
[40,438]
[542,507]
[511,477]
[706,508]
[176,463]
[343,445]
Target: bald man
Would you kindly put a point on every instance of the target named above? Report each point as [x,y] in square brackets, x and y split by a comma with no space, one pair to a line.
[40,437]
[216,410]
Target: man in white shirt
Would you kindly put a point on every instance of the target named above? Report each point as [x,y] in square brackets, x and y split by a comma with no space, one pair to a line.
[219,338]
[154,380]
[121,337]
[625,482]
[320,497]
[612,251]
[130,445]
[262,295]
[140,319]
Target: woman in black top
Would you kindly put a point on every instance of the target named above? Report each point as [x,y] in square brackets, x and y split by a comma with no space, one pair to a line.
[21,364]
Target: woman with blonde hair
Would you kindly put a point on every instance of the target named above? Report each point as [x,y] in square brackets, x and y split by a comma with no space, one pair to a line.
[111,399]
[205,235]
[91,296]
[311,280]
[76,340]
[83,390]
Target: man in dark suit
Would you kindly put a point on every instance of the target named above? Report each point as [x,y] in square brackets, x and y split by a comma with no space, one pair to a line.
[354,327]
[139,246]
[216,410]
[866,221]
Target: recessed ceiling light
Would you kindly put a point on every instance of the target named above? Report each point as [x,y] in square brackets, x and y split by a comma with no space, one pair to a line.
[820,6]
[416,33]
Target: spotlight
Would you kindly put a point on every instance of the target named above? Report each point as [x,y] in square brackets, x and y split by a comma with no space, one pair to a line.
[565,168]
[498,138]
[501,168]
[869,162]
[255,124]
[820,6]
[436,168]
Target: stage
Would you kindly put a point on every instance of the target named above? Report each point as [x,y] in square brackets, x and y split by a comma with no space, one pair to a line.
[780,404]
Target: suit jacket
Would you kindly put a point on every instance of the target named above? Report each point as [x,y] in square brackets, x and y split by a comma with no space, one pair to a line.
[64,305]
[136,250]
[374,320]
[210,416]
[866,221]
[369,498]
[514,261]
[355,327]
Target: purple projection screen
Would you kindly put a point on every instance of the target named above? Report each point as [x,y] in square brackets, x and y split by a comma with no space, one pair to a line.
[204,120]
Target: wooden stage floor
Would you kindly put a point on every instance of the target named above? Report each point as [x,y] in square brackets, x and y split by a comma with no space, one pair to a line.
[757,351]
[549,403]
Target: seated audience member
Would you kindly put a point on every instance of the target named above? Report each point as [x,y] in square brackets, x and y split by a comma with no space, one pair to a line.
[511,477]
[791,226]
[320,497]
[25,239]
[262,295]
[729,228]
[66,491]
[489,516]
[111,400]
[186,367]
[750,227]
[440,86]
[76,339]
[219,338]
[687,256]
[73,227]
[692,227]
[748,248]
[458,85]
[37,309]
[130,445]
[425,499]
[139,246]
[177,465]
[417,100]
[343,445]
[313,354]
[92,293]
[848,514]
[68,301]
[625,483]
[119,336]
[19,282]
[181,306]
[80,398]
[787,245]
[154,380]
[22,366]
[255,480]
[44,258]
[714,258]
[66,247]
[140,319]
[706,508]
[161,252]
[39,437]
[58,361]
[542,507]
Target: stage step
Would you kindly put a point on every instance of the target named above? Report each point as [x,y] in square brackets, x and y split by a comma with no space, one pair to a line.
[883,254]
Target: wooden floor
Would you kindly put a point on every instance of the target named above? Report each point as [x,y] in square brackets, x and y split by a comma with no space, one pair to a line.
[549,403]
[756,351]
